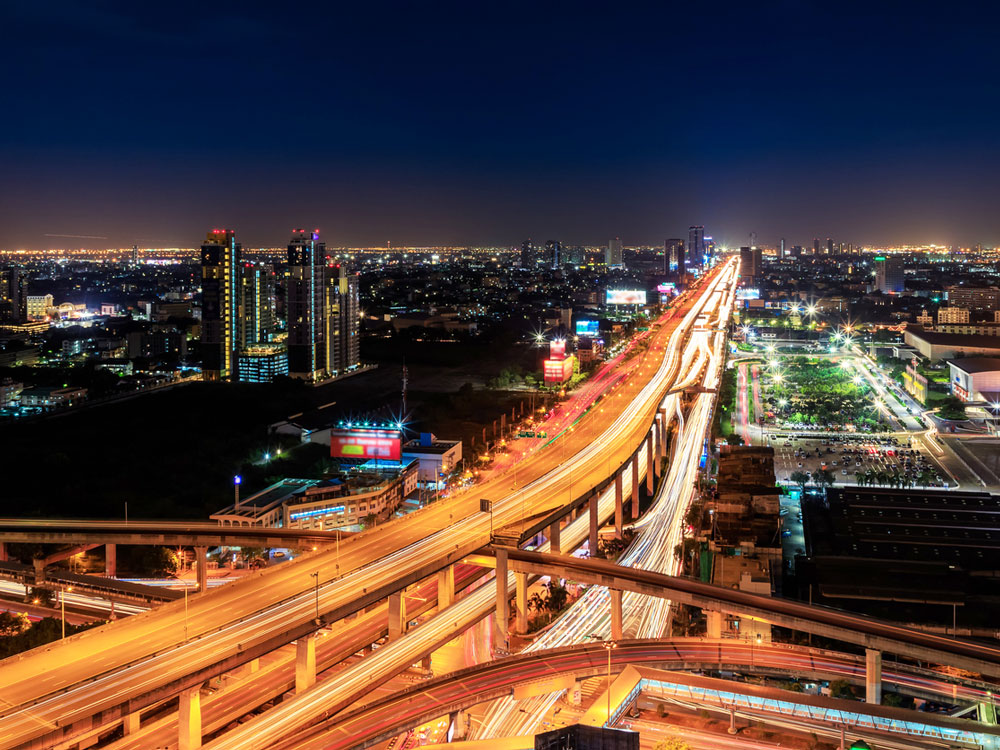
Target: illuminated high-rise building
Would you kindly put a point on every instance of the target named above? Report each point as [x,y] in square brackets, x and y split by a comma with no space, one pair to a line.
[343,320]
[553,253]
[613,256]
[696,247]
[751,265]
[258,316]
[13,296]
[781,249]
[889,274]
[674,250]
[306,305]
[220,304]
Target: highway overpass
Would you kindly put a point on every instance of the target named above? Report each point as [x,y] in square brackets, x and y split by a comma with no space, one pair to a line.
[113,671]
[557,669]
[165,533]
[832,623]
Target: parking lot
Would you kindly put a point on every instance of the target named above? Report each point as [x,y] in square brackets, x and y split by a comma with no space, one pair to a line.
[880,457]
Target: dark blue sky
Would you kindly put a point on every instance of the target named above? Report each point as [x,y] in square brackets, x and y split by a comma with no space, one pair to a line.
[484,123]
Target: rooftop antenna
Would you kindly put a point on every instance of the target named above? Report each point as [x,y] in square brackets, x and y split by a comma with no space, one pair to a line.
[405,382]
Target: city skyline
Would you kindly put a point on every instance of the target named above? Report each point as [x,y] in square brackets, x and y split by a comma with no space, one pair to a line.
[459,126]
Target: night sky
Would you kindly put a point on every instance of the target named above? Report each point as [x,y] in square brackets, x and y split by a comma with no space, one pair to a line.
[489,122]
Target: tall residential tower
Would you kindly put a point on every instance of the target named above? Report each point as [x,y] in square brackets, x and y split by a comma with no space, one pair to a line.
[220,309]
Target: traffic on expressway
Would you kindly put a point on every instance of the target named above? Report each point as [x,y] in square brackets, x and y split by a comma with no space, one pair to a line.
[119,668]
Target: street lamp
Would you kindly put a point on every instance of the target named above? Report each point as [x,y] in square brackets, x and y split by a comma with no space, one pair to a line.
[609,645]
[237,481]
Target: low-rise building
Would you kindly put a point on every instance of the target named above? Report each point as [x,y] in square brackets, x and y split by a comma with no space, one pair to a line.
[935,345]
[10,392]
[436,459]
[51,397]
[38,306]
[952,315]
[975,379]
[343,501]
[975,298]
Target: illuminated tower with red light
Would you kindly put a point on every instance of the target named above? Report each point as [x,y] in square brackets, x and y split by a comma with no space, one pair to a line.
[307,306]
[221,318]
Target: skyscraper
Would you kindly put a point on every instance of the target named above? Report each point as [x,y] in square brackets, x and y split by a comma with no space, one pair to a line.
[343,320]
[613,257]
[829,246]
[815,245]
[781,250]
[696,247]
[528,257]
[553,253]
[306,302]
[674,250]
[13,296]
[220,314]
[889,274]
[751,262]
[257,304]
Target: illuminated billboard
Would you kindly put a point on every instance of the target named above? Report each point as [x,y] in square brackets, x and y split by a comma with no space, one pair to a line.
[588,328]
[558,370]
[366,444]
[557,349]
[667,288]
[625,297]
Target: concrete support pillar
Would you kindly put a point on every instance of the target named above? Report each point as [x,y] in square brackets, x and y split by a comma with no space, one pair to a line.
[873,675]
[305,662]
[635,485]
[663,432]
[39,570]
[130,724]
[521,603]
[594,520]
[502,615]
[425,663]
[3,552]
[657,463]
[110,560]
[650,464]
[616,614]
[446,587]
[555,543]
[714,629]
[618,505]
[201,567]
[397,615]
[189,720]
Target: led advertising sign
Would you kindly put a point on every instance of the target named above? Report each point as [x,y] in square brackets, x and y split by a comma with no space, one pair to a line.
[366,443]
[625,297]
[588,328]
[668,288]
[557,349]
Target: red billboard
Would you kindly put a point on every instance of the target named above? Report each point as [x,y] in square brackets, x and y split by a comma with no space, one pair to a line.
[385,445]
[557,349]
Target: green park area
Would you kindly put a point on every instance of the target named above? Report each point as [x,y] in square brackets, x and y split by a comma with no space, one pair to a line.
[804,392]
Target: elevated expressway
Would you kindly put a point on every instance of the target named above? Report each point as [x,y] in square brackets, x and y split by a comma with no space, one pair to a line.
[110,672]
[166,533]
[543,671]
